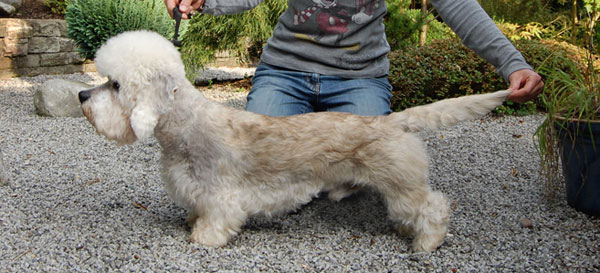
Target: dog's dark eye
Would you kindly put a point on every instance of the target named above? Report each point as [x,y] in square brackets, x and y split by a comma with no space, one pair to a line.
[115,86]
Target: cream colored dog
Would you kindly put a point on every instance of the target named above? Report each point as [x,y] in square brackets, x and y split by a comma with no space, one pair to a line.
[225,165]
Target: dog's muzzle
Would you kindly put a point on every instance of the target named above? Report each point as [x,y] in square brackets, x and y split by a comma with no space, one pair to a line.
[84,95]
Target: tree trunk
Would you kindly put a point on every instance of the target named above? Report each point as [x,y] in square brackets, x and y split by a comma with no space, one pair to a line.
[423,36]
[574,21]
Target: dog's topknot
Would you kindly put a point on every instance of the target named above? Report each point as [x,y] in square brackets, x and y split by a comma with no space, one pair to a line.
[138,52]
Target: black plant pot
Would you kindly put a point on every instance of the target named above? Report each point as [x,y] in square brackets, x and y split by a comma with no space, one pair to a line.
[579,144]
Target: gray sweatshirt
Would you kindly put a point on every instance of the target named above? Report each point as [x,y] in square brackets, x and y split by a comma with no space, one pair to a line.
[346,38]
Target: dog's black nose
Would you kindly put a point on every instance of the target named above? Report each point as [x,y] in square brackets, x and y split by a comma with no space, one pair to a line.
[84,95]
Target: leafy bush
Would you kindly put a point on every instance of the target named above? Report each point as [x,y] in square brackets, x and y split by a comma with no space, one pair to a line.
[446,69]
[519,11]
[92,22]
[402,26]
[527,31]
[242,35]
[57,6]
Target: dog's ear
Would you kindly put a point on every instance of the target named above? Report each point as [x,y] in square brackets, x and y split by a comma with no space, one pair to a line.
[144,116]
[143,120]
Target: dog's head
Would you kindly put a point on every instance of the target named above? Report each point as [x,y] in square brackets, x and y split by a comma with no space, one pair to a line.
[144,70]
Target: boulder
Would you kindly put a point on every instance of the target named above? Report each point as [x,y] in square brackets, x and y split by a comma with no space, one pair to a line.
[59,98]
[15,3]
[8,7]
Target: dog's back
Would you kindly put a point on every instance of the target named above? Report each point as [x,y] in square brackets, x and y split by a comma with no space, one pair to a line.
[447,112]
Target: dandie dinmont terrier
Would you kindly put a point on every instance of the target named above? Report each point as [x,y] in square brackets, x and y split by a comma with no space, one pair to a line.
[225,165]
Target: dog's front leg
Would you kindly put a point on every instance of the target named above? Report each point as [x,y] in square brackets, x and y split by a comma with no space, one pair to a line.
[215,227]
[191,218]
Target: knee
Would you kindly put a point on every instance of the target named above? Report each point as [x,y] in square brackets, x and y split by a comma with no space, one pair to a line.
[366,109]
[365,97]
[277,100]
[270,104]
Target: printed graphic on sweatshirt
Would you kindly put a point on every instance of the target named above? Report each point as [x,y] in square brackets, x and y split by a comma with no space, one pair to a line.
[333,18]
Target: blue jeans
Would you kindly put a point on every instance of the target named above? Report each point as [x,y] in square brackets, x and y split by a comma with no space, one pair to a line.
[279,92]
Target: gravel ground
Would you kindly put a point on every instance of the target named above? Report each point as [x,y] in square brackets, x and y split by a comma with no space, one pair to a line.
[76,202]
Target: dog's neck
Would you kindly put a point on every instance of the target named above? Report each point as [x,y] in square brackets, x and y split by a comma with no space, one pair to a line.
[190,115]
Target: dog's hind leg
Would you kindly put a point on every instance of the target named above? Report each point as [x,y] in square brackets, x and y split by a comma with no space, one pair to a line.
[428,222]
[420,212]
[410,201]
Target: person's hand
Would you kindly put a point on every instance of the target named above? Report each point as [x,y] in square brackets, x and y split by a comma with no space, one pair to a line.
[186,7]
[525,85]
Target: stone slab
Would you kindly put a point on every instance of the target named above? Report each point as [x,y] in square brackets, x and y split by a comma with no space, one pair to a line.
[44,44]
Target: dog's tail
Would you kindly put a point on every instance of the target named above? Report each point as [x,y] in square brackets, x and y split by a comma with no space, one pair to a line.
[448,112]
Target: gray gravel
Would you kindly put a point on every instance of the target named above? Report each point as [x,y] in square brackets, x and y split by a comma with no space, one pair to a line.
[76,202]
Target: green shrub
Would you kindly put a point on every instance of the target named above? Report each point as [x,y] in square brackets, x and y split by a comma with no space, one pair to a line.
[92,22]
[242,35]
[57,6]
[519,11]
[446,69]
[527,31]
[437,30]
[402,26]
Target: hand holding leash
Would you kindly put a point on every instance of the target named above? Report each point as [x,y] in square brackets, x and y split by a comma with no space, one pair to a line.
[189,6]
[177,16]
[186,7]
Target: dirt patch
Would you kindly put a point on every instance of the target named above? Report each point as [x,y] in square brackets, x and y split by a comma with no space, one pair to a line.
[34,9]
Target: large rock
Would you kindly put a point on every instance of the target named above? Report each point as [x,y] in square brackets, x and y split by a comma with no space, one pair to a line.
[8,7]
[58,98]
[15,3]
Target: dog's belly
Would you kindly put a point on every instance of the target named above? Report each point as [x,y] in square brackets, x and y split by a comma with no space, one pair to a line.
[270,201]
[257,193]
[288,190]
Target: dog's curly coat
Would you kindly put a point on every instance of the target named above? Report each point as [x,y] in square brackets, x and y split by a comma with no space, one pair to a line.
[225,165]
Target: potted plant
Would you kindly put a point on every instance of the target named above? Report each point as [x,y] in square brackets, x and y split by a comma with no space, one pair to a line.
[569,138]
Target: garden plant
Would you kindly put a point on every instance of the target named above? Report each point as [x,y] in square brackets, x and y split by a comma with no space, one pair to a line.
[92,22]
[569,138]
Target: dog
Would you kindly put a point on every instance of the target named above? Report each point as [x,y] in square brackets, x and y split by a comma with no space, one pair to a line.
[224,165]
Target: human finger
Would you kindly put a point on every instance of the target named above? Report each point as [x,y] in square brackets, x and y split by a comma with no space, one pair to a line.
[528,92]
[525,85]
[171,4]
[185,7]
[197,4]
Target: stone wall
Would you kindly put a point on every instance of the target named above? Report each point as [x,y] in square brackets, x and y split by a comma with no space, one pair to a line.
[30,47]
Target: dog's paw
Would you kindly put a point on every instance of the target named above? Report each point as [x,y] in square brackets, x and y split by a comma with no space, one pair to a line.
[405,230]
[427,243]
[191,218]
[210,237]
